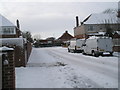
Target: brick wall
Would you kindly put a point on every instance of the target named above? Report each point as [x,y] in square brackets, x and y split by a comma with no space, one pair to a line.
[8,71]
[19,56]
[116,48]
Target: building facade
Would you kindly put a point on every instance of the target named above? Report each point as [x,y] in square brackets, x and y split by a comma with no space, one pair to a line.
[96,23]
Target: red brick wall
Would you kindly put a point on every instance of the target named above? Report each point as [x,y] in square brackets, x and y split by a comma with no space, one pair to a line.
[19,56]
[116,48]
[8,72]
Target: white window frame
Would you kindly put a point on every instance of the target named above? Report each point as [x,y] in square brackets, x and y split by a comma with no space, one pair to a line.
[10,30]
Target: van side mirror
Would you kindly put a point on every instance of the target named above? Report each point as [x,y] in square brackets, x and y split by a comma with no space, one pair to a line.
[84,45]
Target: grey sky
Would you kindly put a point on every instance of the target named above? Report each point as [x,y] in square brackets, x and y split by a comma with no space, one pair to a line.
[51,18]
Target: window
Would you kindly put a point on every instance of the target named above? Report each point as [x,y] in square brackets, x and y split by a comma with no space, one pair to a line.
[8,30]
[90,28]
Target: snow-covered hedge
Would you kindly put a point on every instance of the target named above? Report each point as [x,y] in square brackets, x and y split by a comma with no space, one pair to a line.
[14,41]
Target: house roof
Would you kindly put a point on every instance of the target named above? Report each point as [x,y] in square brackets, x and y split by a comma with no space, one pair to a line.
[65,36]
[101,19]
[5,22]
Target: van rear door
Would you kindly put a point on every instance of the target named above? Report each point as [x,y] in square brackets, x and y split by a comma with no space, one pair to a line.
[105,44]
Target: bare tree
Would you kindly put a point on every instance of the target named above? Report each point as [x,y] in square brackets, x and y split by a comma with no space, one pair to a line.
[108,23]
[37,37]
[109,30]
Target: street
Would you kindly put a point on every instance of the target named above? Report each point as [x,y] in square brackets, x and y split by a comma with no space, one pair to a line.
[54,67]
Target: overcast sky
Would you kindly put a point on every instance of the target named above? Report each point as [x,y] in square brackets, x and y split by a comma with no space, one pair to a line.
[51,18]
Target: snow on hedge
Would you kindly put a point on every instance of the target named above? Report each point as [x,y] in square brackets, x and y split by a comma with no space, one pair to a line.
[14,41]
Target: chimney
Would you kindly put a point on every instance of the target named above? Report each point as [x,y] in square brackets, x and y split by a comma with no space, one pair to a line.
[77,21]
[66,31]
[119,9]
[18,25]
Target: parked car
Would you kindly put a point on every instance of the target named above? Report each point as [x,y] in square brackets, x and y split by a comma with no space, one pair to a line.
[97,46]
[76,45]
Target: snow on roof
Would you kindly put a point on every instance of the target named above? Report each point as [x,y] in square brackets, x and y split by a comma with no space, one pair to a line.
[14,41]
[102,19]
[5,22]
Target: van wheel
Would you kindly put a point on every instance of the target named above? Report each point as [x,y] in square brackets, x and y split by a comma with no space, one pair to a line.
[68,50]
[111,53]
[83,52]
[95,54]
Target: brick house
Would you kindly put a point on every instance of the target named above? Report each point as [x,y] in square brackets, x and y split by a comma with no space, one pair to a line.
[94,24]
[64,38]
[8,29]
[10,36]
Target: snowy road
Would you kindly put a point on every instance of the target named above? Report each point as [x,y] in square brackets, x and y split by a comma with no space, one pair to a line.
[56,68]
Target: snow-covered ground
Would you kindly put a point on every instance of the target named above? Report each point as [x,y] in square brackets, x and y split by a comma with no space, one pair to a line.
[54,67]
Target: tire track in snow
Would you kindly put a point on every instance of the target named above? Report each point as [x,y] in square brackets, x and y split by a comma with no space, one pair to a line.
[96,59]
[74,80]
[92,66]
[102,70]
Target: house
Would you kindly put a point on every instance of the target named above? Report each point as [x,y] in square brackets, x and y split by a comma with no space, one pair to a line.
[10,36]
[64,38]
[48,42]
[96,23]
[8,29]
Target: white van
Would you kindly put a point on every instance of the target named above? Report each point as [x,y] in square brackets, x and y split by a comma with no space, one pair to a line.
[76,45]
[97,46]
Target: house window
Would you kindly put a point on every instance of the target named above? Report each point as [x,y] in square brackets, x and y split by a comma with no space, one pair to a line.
[8,30]
[90,28]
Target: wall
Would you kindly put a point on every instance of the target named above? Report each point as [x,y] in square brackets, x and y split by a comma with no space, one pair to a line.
[8,72]
[22,50]
[82,30]
[79,32]
[19,56]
